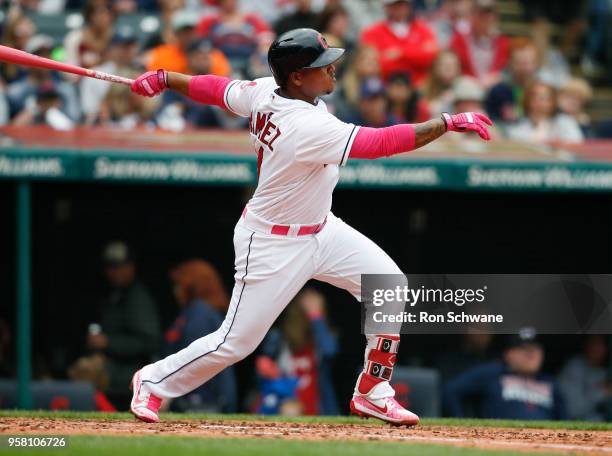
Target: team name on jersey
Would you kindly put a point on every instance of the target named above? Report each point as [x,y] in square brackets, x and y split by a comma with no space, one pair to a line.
[263,128]
[526,390]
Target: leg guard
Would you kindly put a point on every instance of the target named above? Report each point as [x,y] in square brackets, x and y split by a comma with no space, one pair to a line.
[380,356]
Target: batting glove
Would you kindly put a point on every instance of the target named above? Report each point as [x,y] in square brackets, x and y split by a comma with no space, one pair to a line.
[150,83]
[468,121]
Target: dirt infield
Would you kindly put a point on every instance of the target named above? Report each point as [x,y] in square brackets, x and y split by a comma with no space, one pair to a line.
[545,440]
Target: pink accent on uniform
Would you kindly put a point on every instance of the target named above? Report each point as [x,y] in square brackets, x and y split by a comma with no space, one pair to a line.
[147,407]
[373,143]
[283,230]
[322,41]
[392,412]
[468,121]
[151,83]
[208,89]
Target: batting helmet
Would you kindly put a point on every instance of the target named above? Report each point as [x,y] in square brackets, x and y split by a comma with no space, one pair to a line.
[298,49]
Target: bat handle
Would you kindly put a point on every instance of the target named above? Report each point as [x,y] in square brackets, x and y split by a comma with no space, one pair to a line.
[109,77]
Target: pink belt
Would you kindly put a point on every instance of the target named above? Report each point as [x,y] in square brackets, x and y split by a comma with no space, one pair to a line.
[283,230]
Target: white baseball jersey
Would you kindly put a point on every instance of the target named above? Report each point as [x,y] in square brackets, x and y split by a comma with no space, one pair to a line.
[300,146]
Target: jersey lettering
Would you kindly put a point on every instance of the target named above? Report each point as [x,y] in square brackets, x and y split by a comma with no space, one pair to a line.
[264,129]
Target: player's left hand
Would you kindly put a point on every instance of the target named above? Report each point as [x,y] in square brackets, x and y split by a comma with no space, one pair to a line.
[150,83]
[468,121]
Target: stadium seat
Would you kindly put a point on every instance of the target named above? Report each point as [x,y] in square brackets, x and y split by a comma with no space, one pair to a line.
[51,395]
[58,25]
[418,389]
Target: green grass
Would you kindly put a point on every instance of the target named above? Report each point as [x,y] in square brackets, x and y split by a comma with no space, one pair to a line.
[572,425]
[187,446]
[160,445]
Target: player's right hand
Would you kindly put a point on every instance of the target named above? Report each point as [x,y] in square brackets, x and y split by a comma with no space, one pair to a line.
[151,83]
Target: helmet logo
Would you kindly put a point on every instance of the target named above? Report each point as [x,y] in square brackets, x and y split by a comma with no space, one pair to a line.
[322,41]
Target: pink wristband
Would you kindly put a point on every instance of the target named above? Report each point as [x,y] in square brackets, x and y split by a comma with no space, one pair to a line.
[373,143]
[208,89]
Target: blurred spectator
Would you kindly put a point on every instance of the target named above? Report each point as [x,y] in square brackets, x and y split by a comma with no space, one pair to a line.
[372,106]
[92,369]
[335,26]
[4,107]
[295,360]
[452,16]
[269,10]
[468,95]
[45,110]
[121,108]
[28,5]
[438,88]
[303,17]
[178,112]
[165,33]
[405,103]
[258,63]
[569,14]
[474,349]
[172,56]
[504,101]
[234,33]
[404,43]
[541,122]
[483,51]
[120,61]
[362,14]
[573,98]
[512,388]
[128,332]
[30,98]
[85,46]
[363,65]
[203,302]
[553,67]
[126,6]
[585,383]
[17,32]
[597,47]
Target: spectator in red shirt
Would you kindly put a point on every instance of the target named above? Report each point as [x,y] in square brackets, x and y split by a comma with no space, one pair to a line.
[483,51]
[234,33]
[404,43]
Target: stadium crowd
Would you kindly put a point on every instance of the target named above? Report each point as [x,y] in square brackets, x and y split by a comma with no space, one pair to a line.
[406,61]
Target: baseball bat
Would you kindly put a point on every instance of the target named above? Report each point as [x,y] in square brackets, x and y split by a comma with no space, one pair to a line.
[10,55]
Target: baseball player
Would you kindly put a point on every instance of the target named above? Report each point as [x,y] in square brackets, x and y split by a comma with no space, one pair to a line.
[286,234]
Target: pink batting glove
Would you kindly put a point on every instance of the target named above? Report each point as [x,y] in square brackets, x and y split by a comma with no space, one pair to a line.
[468,121]
[150,83]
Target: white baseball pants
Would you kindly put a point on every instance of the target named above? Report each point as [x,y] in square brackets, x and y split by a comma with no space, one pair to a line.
[270,270]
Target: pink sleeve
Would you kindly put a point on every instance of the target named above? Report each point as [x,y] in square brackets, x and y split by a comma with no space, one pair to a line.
[208,89]
[382,142]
